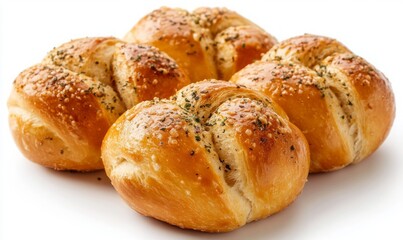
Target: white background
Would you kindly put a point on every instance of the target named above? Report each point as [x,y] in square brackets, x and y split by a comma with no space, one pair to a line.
[359,202]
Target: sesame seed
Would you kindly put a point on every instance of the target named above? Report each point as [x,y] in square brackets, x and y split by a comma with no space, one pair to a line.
[172,141]
[156,166]
[262,119]
[196,36]
[248,132]
[231,113]
[173,132]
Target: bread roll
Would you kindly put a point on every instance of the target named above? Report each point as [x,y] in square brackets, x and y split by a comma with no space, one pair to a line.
[343,104]
[60,109]
[207,43]
[212,158]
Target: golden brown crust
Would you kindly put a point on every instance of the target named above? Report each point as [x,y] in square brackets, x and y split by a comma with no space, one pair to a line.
[170,164]
[89,56]
[204,97]
[302,94]
[239,46]
[307,50]
[174,32]
[219,19]
[266,142]
[226,159]
[67,106]
[152,73]
[343,105]
[61,109]
[374,103]
[190,39]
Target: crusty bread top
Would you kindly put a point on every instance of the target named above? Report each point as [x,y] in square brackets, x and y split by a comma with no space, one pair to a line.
[207,43]
[343,105]
[220,154]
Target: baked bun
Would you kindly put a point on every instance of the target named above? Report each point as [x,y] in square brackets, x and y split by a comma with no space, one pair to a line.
[206,43]
[343,104]
[60,109]
[213,158]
